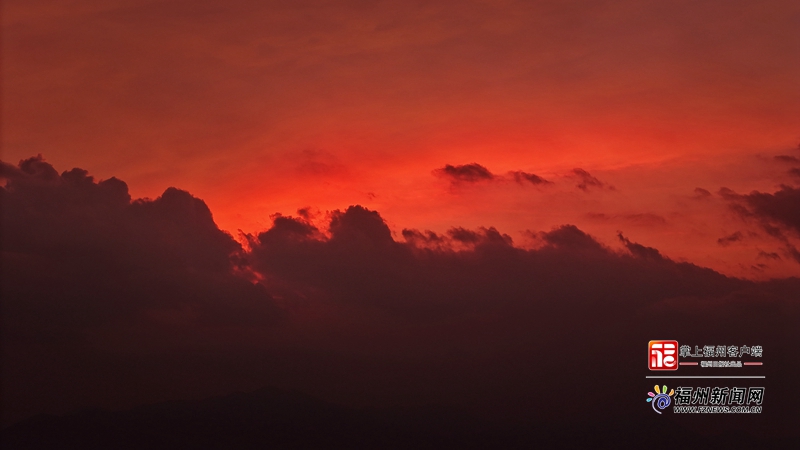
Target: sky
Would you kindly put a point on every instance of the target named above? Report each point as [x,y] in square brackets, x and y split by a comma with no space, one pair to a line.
[262,108]
[191,184]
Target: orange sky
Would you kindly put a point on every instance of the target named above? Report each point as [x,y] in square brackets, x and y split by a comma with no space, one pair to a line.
[261,107]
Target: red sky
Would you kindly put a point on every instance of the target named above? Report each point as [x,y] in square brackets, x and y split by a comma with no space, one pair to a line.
[261,107]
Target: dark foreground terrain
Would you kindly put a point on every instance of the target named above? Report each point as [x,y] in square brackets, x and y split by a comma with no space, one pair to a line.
[271,418]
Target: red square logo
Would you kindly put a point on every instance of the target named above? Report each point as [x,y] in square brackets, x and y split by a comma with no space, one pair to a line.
[662,355]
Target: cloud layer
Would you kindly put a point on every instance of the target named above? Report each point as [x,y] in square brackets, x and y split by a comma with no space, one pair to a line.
[112,301]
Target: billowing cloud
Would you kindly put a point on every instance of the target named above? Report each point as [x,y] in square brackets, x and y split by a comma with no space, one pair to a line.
[89,274]
[121,300]
[71,214]
[468,173]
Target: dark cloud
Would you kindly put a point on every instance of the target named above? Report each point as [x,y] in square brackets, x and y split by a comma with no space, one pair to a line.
[88,275]
[467,173]
[464,236]
[777,213]
[71,214]
[304,212]
[730,239]
[768,255]
[587,180]
[701,193]
[481,236]
[787,158]
[474,173]
[108,301]
[780,208]
[479,306]
[795,171]
[640,250]
[522,177]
